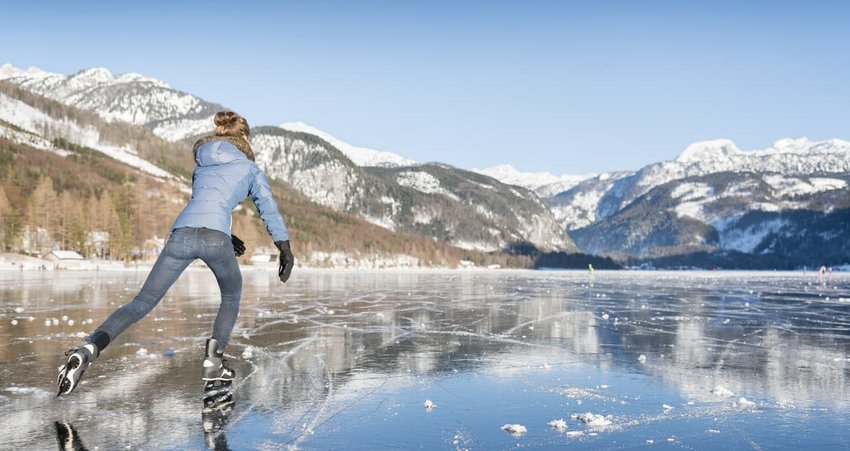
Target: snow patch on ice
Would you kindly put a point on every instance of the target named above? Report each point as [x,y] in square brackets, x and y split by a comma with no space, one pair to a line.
[559,424]
[593,420]
[517,430]
[722,392]
[745,403]
[35,392]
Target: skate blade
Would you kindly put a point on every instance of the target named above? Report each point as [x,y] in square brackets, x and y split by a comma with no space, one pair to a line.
[218,403]
[215,384]
[211,393]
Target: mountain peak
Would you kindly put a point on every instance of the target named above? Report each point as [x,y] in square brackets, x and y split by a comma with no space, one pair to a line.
[361,156]
[99,74]
[508,174]
[708,150]
[792,144]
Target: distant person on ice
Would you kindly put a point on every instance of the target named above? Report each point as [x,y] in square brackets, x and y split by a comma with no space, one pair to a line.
[225,174]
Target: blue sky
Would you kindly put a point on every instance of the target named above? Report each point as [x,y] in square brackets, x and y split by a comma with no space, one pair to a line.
[567,87]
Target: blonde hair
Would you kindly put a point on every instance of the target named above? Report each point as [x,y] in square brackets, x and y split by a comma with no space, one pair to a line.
[228,123]
[232,128]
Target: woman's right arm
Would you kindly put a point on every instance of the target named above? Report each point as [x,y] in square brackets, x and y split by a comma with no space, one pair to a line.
[261,194]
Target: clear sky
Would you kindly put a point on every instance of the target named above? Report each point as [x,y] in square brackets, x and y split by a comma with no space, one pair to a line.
[566,87]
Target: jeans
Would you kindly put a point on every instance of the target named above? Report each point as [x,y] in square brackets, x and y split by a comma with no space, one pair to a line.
[184,246]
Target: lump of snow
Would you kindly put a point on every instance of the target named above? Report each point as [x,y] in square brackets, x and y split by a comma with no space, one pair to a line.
[142,352]
[14,322]
[573,434]
[516,430]
[722,392]
[593,420]
[642,358]
[247,353]
[19,310]
[666,407]
[558,424]
[429,405]
[744,403]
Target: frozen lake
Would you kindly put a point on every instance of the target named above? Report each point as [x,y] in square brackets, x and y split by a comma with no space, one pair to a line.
[346,360]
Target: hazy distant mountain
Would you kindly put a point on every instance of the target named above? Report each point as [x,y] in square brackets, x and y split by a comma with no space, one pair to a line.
[714,197]
[544,184]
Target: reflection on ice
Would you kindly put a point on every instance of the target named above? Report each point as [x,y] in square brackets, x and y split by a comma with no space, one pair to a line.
[335,358]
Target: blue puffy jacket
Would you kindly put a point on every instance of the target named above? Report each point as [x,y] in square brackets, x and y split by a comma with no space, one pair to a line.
[222,179]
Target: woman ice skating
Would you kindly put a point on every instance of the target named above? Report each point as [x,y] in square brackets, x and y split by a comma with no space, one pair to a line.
[225,174]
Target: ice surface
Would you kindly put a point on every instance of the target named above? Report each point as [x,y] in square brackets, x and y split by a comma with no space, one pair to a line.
[332,358]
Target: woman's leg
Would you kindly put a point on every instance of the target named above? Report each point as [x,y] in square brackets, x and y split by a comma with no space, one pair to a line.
[217,252]
[175,257]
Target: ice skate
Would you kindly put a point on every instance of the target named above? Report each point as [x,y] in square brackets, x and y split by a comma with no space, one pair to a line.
[79,361]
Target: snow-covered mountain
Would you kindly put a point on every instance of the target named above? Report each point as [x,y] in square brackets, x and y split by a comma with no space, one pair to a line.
[132,98]
[606,194]
[545,184]
[462,208]
[459,207]
[25,124]
[361,156]
[714,197]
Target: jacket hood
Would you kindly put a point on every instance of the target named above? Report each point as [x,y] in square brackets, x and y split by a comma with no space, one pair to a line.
[238,144]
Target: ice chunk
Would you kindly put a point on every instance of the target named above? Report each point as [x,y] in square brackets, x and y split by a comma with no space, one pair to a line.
[667,408]
[19,310]
[744,403]
[593,420]
[517,430]
[642,358]
[558,424]
[14,322]
[429,405]
[722,392]
[574,434]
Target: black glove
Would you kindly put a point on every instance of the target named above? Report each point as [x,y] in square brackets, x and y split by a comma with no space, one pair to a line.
[238,245]
[286,260]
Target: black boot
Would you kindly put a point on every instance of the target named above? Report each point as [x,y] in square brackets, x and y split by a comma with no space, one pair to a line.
[215,367]
[78,362]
